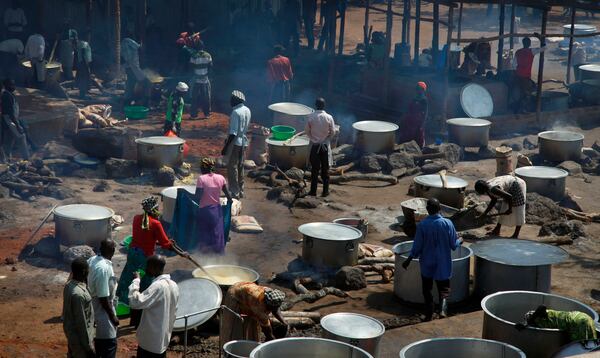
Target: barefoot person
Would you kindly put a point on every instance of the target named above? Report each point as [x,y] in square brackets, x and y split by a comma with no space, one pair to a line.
[511,191]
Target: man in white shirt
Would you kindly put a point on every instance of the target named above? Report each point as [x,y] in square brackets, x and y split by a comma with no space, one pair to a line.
[102,285]
[34,52]
[159,305]
[236,143]
[15,20]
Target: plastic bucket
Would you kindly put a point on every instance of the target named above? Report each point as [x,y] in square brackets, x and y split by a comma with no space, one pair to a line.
[282,132]
[136,112]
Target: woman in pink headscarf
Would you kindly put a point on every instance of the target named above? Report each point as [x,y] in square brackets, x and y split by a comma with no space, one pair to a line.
[414,121]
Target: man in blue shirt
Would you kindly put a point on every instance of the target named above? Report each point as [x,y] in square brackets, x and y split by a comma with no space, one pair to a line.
[434,239]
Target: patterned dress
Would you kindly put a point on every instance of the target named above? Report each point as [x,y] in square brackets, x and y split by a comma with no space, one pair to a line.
[517,188]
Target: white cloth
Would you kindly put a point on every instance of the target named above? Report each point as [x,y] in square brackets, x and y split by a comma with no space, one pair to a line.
[14,19]
[102,283]
[239,120]
[159,305]
[517,217]
[579,56]
[84,51]
[14,46]
[320,127]
[35,47]
[131,55]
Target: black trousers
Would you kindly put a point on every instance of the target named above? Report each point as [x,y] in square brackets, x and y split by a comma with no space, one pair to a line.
[201,98]
[142,353]
[309,24]
[443,287]
[319,162]
[106,348]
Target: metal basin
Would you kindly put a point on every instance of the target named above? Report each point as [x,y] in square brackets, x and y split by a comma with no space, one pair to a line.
[329,244]
[431,186]
[290,114]
[154,152]
[307,347]
[196,295]
[460,348]
[476,101]
[374,136]
[546,181]
[169,197]
[407,283]
[503,310]
[590,72]
[239,349]
[555,101]
[514,264]
[357,223]
[558,146]
[356,329]
[290,154]
[228,275]
[582,349]
[82,224]
[469,132]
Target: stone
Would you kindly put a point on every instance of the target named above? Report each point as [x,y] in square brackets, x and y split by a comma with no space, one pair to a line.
[408,147]
[530,142]
[308,202]
[121,168]
[295,174]
[370,164]
[101,187]
[596,146]
[401,160]
[61,167]
[183,171]
[452,152]
[398,173]
[275,193]
[74,252]
[56,150]
[486,152]
[517,147]
[542,210]
[59,192]
[435,166]
[573,229]
[249,164]
[431,149]
[165,176]
[350,278]
[4,192]
[571,167]
[110,142]
[590,152]
[286,198]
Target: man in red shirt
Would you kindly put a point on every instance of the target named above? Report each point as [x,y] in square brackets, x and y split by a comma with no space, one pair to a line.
[279,75]
[522,63]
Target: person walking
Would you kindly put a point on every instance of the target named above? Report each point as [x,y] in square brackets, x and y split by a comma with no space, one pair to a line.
[523,63]
[279,75]
[201,62]
[175,106]
[11,126]
[236,143]
[159,306]
[512,192]
[102,284]
[78,313]
[436,237]
[414,121]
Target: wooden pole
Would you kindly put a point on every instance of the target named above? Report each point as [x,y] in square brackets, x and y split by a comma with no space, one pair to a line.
[117,37]
[366,27]
[408,17]
[501,32]
[512,25]
[417,31]
[342,28]
[540,79]
[333,26]
[460,15]
[435,39]
[572,31]
[447,64]
[404,36]
[388,48]
[88,17]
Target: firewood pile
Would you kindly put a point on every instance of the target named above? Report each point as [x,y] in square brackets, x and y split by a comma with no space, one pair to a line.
[26,179]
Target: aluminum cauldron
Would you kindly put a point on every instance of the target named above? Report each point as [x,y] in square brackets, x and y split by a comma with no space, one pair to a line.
[288,154]
[407,283]
[290,114]
[239,349]
[154,152]
[581,349]
[460,348]
[503,310]
[431,186]
[469,132]
[558,146]
[546,181]
[329,244]
[356,329]
[82,224]
[374,136]
[169,197]
[307,347]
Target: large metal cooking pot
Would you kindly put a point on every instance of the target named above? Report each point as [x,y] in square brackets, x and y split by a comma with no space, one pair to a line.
[239,349]
[546,181]
[407,283]
[476,101]
[503,310]
[329,244]
[196,295]
[357,223]
[154,152]
[288,154]
[82,224]
[356,329]
[582,349]
[169,198]
[431,186]
[469,132]
[558,146]
[374,136]
[228,275]
[590,72]
[514,264]
[555,101]
[460,348]
[307,347]
[290,114]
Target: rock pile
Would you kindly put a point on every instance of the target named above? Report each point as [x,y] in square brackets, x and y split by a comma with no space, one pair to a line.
[26,179]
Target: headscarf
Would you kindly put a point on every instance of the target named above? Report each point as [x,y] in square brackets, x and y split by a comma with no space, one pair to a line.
[239,95]
[208,164]
[273,297]
[150,206]
[423,85]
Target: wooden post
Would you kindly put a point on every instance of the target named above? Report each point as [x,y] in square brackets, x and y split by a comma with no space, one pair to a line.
[447,64]
[501,33]
[388,48]
[88,17]
[342,28]
[435,39]
[404,35]
[512,25]
[333,26]
[117,37]
[460,15]
[417,31]
[366,27]
[540,79]
[571,40]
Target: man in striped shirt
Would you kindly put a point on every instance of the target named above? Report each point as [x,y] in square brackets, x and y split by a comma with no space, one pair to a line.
[201,62]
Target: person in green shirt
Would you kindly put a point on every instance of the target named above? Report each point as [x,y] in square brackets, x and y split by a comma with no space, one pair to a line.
[175,105]
[578,325]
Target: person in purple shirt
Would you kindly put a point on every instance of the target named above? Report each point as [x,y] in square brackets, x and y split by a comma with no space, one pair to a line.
[434,240]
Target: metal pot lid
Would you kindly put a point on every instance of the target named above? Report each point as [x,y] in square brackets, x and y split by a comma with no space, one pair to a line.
[83,159]
[171,192]
[375,126]
[301,141]
[330,231]
[195,295]
[291,108]
[83,212]
[160,140]
[590,68]
[519,252]
[579,28]
[541,172]
[469,122]
[227,275]
[352,325]
[561,136]
[435,181]
[476,101]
